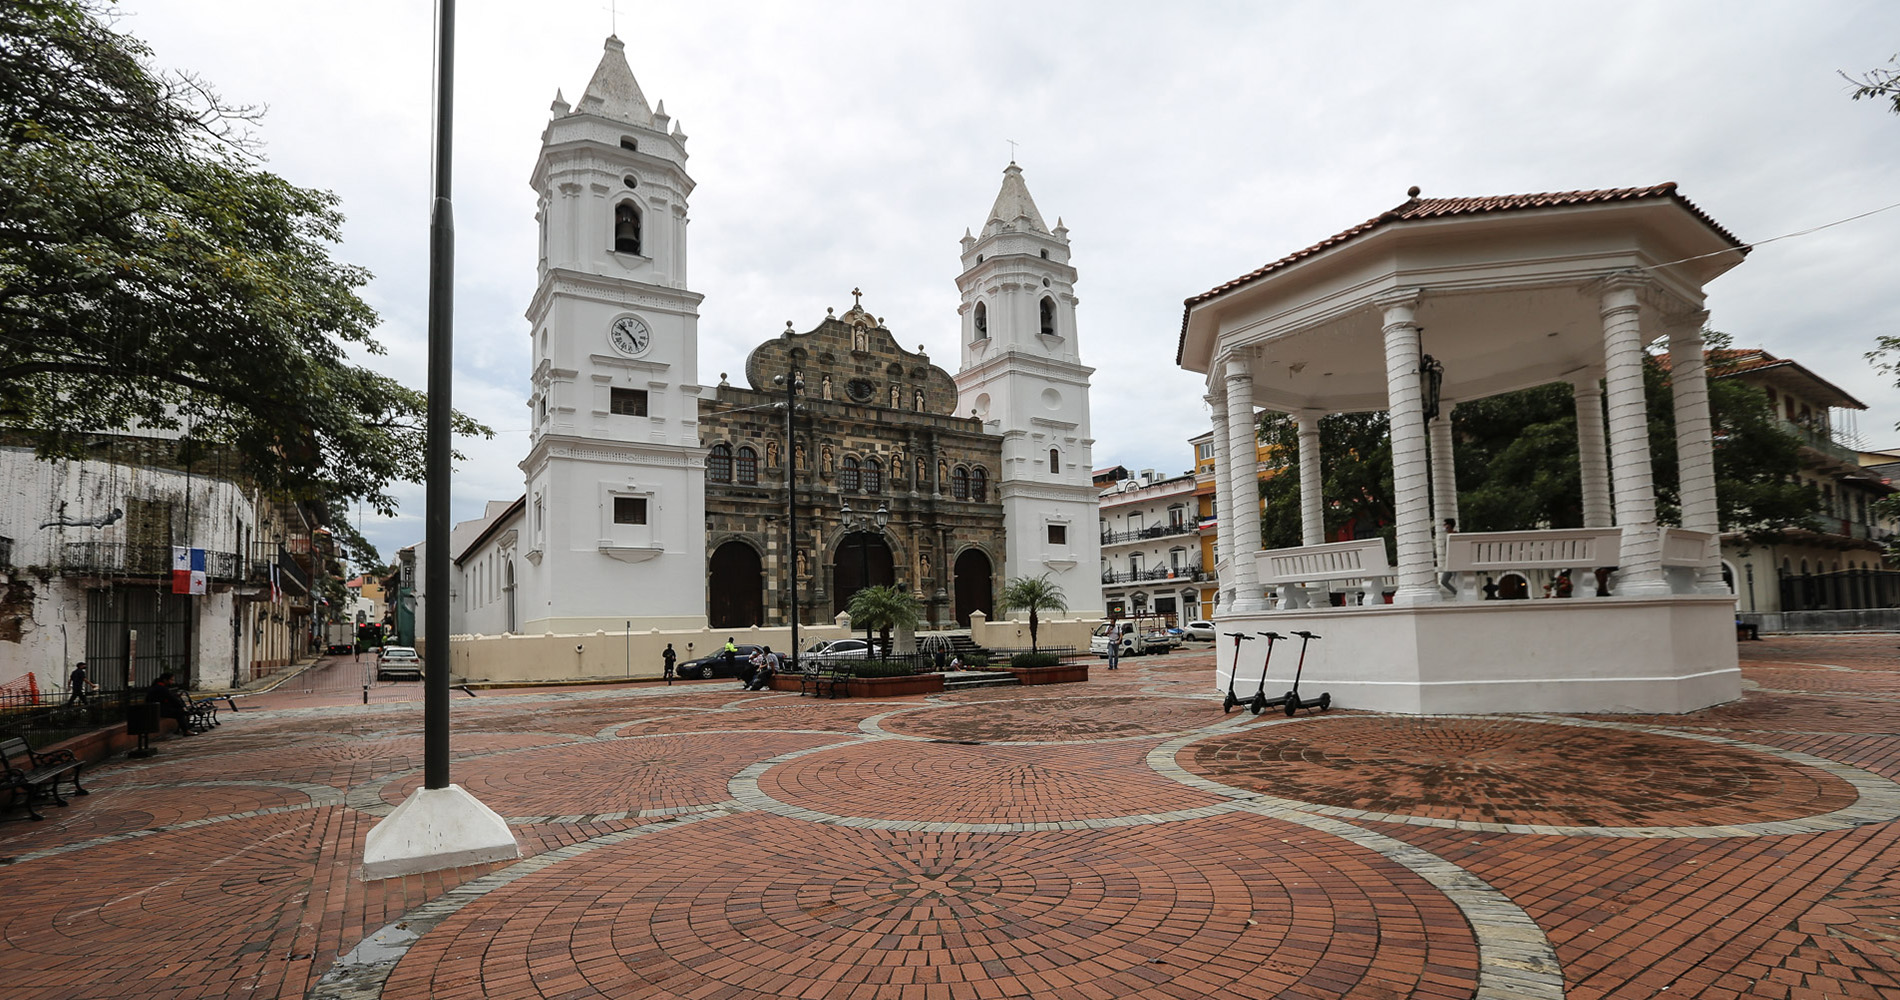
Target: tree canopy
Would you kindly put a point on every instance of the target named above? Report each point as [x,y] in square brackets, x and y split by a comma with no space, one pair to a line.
[1034,594]
[883,608]
[1879,84]
[153,277]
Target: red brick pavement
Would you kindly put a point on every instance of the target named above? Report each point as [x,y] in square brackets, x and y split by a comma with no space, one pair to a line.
[242,886]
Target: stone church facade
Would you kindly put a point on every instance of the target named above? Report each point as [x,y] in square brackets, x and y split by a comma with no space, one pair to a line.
[875,429]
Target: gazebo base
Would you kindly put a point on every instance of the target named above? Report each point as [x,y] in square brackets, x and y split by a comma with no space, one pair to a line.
[1648,655]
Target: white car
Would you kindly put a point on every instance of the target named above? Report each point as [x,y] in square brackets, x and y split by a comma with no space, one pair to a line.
[1203,631]
[836,649]
[398,662]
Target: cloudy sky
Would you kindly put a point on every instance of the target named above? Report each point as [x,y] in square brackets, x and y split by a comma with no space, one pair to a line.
[843,144]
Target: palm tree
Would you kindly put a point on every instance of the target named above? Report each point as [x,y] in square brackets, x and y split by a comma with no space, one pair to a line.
[883,608]
[1034,595]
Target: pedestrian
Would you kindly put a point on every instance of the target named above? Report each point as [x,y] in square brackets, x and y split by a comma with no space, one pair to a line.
[1114,645]
[1442,545]
[751,669]
[171,704]
[79,687]
[730,652]
[668,657]
[767,669]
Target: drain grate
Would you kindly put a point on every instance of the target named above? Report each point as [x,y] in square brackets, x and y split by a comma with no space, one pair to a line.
[963,743]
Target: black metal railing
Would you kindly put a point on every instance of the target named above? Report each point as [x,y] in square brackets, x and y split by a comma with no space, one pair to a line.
[132,560]
[1189,573]
[6,553]
[1852,589]
[1154,531]
[291,576]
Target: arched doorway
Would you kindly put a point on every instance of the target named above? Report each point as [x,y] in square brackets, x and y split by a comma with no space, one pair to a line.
[861,553]
[975,591]
[737,580]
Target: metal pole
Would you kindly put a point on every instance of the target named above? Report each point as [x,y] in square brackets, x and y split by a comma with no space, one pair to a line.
[435,706]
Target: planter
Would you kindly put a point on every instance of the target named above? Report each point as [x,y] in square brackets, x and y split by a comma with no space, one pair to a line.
[784,682]
[1061,673]
[893,687]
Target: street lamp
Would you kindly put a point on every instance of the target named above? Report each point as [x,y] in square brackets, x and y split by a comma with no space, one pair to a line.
[856,523]
[793,386]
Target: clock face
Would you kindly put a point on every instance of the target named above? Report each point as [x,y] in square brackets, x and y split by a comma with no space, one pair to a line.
[629,335]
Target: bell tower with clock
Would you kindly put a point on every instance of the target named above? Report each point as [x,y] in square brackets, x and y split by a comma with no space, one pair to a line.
[614,517]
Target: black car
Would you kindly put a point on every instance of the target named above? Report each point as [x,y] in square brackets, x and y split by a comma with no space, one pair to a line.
[716,665]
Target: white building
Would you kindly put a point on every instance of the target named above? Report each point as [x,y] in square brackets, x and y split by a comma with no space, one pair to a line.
[1151,547]
[611,532]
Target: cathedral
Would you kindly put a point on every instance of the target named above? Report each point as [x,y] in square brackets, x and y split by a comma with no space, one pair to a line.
[844,460]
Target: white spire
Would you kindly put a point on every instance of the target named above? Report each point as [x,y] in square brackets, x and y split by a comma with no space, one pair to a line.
[613,92]
[1014,208]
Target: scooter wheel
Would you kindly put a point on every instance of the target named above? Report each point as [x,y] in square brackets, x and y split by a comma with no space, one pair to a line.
[1325,701]
[1259,704]
[1292,704]
[1228,704]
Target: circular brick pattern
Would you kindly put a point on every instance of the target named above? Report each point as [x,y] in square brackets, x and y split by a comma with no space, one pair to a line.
[1056,719]
[613,776]
[903,780]
[825,716]
[767,907]
[108,811]
[1510,771]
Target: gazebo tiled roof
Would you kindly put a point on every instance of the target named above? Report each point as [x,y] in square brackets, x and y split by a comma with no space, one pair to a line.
[1416,208]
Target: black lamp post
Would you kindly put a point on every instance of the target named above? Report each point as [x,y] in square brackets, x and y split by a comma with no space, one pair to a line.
[859,525]
[1432,373]
[793,386]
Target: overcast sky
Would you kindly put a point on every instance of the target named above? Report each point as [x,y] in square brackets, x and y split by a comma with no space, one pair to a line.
[843,144]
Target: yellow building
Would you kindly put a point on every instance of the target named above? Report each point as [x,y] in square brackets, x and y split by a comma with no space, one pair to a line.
[1206,508]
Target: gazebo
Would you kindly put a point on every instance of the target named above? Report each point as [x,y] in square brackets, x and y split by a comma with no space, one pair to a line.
[1443,300]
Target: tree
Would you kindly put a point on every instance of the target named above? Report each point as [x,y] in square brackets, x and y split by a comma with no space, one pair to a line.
[883,608]
[153,278]
[1034,594]
[1879,84]
[1355,477]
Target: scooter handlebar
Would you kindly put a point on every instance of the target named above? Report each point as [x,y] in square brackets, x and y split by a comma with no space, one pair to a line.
[1306,635]
[1239,636]
[1273,635]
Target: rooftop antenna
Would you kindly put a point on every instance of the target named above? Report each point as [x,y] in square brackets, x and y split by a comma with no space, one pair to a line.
[1012,149]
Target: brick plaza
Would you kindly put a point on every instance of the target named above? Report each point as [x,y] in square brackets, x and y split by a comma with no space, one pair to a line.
[1120,838]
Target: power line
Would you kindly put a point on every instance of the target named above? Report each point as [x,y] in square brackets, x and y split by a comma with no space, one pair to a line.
[1784,236]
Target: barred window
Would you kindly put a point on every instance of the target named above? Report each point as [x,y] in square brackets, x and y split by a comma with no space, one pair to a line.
[632,402]
[719,463]
[748,467]
[848,479]
[979,483]
[873,476]
[960,483]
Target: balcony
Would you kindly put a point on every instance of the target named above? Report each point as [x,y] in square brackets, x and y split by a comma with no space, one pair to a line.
[291,576]
[1142,534]
[1816,435]
[119,559]
[1185,573]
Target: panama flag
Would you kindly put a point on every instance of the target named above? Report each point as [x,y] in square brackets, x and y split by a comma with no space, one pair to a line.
[188,570]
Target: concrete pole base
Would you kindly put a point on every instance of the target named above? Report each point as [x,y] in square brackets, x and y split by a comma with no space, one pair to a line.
[433,829]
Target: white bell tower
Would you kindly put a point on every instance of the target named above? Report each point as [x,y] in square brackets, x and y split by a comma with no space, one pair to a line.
[615,514]
[1023,376]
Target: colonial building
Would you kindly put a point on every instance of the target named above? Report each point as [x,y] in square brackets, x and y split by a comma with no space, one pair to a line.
[1151,555]
[641,482]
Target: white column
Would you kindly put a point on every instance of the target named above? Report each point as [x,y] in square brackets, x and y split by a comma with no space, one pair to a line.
[1244,505]
[1695,444]
[1641,563]
[1444,472]
[1411,478]
[1592,458]
[1223,500]
[1312,506]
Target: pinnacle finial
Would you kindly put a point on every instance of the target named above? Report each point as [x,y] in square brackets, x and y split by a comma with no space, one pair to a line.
[1412,192]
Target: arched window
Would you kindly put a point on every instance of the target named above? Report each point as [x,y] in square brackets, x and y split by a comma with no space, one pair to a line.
[979,483]
[873,476]
[1048,316]
[748,467]
[1055,462]
[848,479]
[983,322]
[626,228]
[960,483]
[719,463]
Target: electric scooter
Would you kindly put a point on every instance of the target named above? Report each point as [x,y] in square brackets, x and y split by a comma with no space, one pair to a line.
[1260,700]
[1293,700]
[1233,699]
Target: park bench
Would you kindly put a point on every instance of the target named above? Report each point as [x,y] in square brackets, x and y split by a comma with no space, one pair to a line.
[1363,560]
[821,679]
[29,772]
[203,712]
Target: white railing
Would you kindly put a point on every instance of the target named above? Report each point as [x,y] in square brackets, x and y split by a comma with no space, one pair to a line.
[1682,547]
[1363,560]
[1563,548]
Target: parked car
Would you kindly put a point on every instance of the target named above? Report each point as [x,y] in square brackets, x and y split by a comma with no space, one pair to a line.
[339,649]
[398,662]
[1203,631]
[716,665]
[837,649]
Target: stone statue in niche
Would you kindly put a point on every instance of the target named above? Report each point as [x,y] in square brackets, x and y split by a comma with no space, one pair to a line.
[771,454]
[897,464]
[943,474]
[827,459]
[803,568]
[922,474]
[827,389]
[798,456]
[923,560]
[896,395]
[920,401]
[860,340]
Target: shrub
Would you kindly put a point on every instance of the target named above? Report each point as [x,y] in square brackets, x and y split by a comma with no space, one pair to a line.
[1034,660]
[881,668]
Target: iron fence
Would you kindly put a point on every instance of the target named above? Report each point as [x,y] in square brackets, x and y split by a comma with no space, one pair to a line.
[1847,590]
[134,560]
[6,553]
[1153,531]
[1187,573]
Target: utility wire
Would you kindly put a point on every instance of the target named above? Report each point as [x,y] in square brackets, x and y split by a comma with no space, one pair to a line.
[1784,236]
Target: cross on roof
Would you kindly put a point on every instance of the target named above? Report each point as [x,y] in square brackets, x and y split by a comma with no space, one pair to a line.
[855,297]
[1012,149]
[613,9]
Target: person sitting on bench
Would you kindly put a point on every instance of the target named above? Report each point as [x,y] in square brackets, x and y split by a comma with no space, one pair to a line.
[170,702]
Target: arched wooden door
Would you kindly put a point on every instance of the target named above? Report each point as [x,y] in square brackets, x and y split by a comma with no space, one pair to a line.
[864,560]
[975,589]
[737,580]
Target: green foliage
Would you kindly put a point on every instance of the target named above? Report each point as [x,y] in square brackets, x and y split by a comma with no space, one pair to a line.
[1516,456]
[883,609]
[1035,595]
[1879,84]
[151,276]
[881,668]
[1355,473]
[1024,660]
